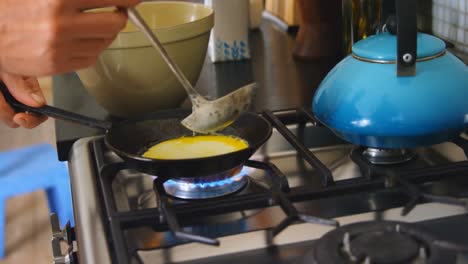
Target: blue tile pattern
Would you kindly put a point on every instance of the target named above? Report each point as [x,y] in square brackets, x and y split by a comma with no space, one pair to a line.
[232,51]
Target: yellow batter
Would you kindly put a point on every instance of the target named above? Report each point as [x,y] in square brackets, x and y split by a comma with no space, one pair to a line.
[190,147]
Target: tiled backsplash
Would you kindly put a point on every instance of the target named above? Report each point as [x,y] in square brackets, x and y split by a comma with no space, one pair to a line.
[447,19]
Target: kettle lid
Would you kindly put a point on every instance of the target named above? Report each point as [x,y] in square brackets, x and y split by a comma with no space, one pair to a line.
[383,47]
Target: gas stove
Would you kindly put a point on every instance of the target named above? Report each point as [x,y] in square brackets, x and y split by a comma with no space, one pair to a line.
[304,197]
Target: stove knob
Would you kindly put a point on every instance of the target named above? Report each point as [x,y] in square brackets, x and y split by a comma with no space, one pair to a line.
[58,236]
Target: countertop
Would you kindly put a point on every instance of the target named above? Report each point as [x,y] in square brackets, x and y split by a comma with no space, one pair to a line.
[284,82]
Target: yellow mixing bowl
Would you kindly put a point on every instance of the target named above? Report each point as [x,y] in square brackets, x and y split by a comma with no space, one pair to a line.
[130,78]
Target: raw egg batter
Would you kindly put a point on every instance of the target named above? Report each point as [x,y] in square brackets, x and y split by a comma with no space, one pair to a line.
[189,147]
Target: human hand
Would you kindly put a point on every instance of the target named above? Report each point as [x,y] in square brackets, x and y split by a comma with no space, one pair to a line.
[27,91]
[45,37]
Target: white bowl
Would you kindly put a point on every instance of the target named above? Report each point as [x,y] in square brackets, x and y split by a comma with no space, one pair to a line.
[130,78]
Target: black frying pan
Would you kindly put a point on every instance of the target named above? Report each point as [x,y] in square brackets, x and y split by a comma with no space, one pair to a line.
[131,138]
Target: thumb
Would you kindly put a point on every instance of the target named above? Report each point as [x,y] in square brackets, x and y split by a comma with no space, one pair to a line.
[24,89]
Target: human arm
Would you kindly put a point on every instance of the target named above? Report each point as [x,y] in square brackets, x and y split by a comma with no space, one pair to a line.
[47,37]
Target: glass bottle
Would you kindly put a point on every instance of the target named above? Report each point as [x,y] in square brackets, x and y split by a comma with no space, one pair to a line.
[361,18]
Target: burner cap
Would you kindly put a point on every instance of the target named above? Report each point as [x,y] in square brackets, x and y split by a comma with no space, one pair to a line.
[381,242]
[387,156]
[385,247]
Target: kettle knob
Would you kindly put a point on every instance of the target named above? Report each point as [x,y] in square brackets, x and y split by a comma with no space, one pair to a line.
[406,23]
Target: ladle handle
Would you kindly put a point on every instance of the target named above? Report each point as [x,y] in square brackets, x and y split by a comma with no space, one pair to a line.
[407,31]
[136,19]
[53,112]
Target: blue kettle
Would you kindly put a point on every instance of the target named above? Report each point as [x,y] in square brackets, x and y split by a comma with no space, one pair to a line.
[398,89]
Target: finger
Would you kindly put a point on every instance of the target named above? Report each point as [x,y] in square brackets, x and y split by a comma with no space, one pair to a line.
[29,120]
[73,64]
[89,47]
[6,113]
[103,25]
[76,63]
[90,4]
[24,89]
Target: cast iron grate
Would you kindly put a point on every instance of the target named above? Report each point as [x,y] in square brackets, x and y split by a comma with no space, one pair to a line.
[280,193]
[278,186]
[462,143]
[302,116]
[396,177]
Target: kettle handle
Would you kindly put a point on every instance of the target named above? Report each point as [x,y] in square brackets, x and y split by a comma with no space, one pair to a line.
[406,37]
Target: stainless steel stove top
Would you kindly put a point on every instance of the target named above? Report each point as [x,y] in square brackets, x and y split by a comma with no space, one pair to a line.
[246,230]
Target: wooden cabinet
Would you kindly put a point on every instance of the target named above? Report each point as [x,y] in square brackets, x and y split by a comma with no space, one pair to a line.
[320,34]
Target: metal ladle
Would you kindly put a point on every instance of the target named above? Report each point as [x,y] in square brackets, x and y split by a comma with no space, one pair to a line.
[207,116]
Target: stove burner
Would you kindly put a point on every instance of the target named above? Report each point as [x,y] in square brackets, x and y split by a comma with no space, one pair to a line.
[384,247]
[208,186]
[382,242]
[387,156]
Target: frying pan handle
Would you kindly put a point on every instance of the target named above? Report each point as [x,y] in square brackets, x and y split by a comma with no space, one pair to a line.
[53,112]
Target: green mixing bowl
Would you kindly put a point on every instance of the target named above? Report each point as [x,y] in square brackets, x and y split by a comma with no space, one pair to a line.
[130,78]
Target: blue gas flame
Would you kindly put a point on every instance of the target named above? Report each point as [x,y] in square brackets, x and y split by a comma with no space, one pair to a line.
[211,184]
